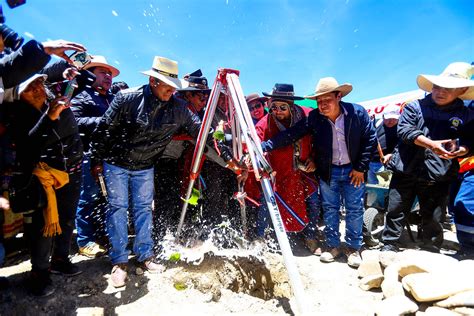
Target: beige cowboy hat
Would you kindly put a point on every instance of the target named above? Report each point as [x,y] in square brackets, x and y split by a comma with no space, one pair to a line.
[456,75]
[329,84]
[100,61]
[165,70]
[255,97]
[22,86]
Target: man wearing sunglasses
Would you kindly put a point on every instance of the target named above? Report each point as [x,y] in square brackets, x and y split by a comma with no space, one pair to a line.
[343,141]
[295,185]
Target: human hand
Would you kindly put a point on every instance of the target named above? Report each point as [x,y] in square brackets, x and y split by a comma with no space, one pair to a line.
[309,166]
[242,177]
[386,158]
[357,178]
[461,151]
[70,73]
[59,47]
[4,203]
[438,147]
[57,106]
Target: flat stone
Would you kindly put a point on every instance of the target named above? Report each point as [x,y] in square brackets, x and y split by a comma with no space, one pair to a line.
[436,286]
[439,311]
[464,310]
[459,299]
[369,267]
[90,311]
[396,305]
[391,288]
[371,281]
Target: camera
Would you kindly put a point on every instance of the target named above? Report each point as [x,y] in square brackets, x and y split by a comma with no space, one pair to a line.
[452,145]
[80,59]
[11,39]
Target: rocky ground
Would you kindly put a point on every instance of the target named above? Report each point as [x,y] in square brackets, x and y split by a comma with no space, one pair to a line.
[215,283]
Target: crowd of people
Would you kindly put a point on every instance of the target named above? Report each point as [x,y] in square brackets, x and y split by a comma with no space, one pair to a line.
[81,152]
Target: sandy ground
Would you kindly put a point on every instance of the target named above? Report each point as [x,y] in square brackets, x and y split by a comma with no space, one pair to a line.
[221,284]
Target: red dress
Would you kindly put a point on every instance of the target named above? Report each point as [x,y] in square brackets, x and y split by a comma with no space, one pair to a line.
[292,186]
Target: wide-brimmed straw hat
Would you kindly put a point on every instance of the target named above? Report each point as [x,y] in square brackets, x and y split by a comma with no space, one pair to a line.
[255,97]
[329,84]
[283,91]
[165,70]
[195,81]
[22,86]
[456,75]
[100,61]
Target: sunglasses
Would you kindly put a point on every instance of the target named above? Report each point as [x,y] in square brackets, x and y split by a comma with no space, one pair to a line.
[280,106]
[255,107]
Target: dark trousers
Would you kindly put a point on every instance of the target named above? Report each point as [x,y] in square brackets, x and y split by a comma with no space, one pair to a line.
[42,247]
[433,201]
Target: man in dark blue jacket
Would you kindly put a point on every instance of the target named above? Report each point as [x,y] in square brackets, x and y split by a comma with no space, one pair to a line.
[88,108]
[343,142]
[433,132]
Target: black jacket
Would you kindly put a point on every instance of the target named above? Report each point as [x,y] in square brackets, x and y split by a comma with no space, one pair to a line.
[22,64]
[358,129]
[136,128]
[38,138]
[424,117]
[88,107]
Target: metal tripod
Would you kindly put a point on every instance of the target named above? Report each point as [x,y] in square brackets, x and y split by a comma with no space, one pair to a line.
[243,131]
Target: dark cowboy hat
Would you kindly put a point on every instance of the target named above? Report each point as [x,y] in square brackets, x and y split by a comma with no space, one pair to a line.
[195,82]
[283,91]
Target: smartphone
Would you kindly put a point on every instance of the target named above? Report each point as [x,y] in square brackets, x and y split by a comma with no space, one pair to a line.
[452,145]
[72,84]
[80,59]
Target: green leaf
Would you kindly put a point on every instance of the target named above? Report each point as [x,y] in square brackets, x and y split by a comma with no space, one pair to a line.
[180,286]
[175,257]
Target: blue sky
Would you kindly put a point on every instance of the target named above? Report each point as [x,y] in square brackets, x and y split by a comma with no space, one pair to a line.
[378,46]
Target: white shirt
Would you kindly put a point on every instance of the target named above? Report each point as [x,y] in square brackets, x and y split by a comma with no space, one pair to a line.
[340,155]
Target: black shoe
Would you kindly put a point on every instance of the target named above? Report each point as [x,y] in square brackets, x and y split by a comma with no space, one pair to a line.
[389,247]
[40,284]
[64,267]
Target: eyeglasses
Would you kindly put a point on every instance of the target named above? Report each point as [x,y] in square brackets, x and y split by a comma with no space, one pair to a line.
[255,107]
[280,106]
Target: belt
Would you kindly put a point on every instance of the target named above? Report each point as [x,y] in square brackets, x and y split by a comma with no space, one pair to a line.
[342,166]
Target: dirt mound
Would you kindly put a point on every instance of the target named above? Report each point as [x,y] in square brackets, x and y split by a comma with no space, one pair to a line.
[264,279]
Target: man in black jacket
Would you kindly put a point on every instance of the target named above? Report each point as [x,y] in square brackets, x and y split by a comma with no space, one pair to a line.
[343,140]
[88,108]
[433,133]
[128,140]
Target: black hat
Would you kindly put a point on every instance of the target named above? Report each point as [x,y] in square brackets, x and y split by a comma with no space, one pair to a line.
[283,91]
[195,82]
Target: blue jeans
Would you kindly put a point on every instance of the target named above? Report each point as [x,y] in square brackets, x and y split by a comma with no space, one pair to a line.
[353,199]
[122,183]
[313,206]
[2,253]
[374,167]
[88,206]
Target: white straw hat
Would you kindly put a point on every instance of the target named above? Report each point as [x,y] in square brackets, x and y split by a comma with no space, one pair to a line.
[456,75]
[166,70]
